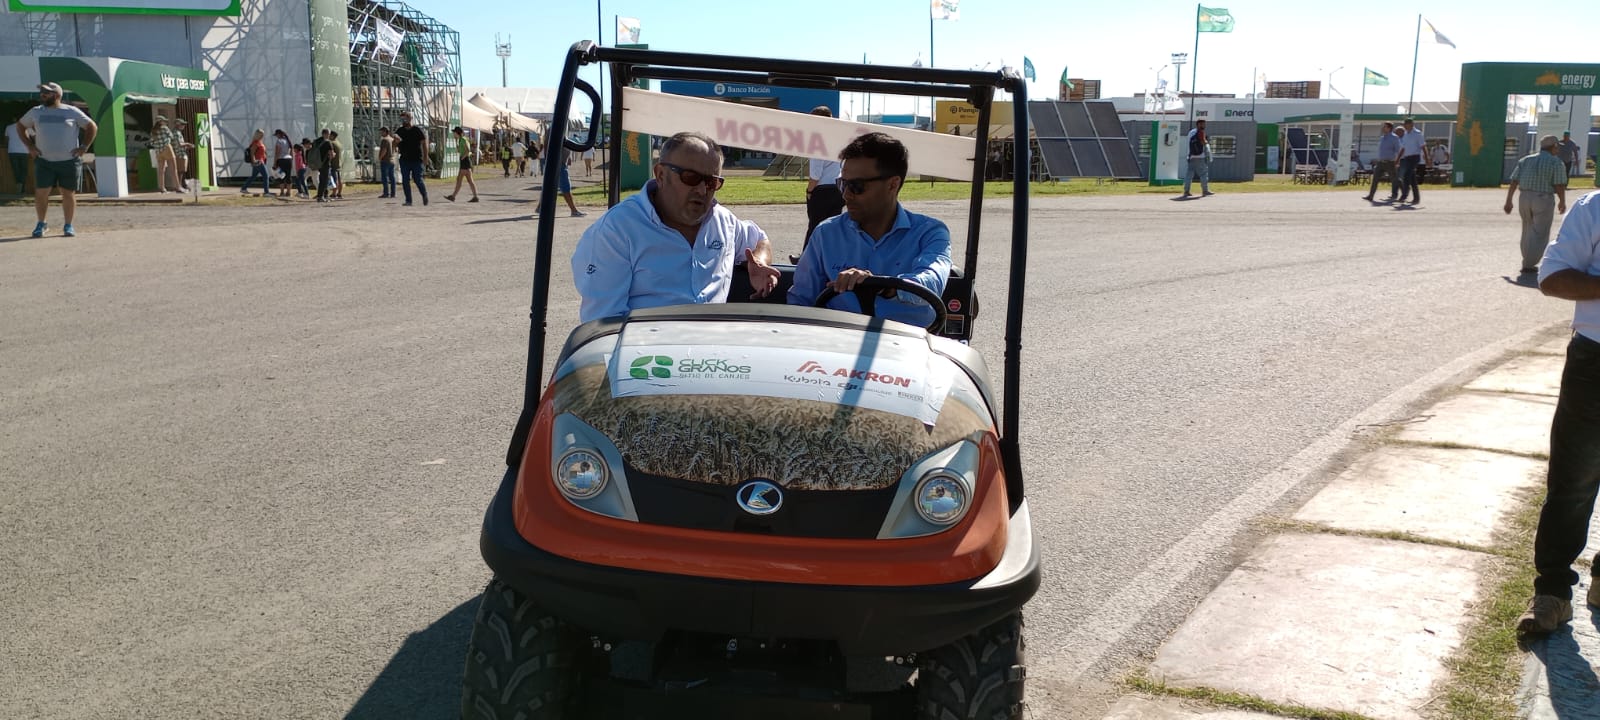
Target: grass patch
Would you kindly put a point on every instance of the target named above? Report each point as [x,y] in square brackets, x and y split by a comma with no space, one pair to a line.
[745,190]
[1486,671]
[1221,698]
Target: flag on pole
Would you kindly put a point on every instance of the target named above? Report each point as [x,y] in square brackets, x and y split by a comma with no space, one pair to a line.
[627,31]
[947,9]
[1372,78]
[1217,20]
[1066,80]
[1438,37]
[1027,69]
[388,38]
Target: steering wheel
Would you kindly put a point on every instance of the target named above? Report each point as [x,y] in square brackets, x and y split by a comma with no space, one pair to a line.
[867,291]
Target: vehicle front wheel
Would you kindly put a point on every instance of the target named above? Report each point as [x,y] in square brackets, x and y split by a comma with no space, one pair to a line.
[522,662]
[979,677]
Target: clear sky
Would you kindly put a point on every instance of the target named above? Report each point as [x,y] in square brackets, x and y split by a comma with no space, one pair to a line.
[1123,44]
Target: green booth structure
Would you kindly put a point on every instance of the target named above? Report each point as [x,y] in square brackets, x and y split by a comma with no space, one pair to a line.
[1480,141]
[119,95]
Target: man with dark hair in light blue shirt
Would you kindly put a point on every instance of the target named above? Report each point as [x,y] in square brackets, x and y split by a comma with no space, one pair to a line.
[874,236]
[670,244]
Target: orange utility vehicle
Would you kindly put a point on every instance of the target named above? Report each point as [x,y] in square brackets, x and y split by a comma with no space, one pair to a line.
[756,509]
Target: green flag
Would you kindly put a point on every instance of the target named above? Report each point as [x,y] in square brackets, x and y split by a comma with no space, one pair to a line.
[1214,20]
[1066,80]
[1373,78]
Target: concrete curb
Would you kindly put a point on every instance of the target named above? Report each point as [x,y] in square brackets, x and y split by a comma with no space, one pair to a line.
[1361,599]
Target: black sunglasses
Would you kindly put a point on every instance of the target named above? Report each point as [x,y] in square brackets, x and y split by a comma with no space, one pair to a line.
[692,178]
[856,186]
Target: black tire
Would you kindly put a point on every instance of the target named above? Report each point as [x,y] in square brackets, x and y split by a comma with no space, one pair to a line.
[979,677]
[522,662]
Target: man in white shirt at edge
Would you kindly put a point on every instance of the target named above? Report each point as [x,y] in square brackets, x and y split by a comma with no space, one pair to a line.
[671,243]
[1570,270]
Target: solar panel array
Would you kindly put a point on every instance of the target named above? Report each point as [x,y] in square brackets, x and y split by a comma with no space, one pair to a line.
[1082,139]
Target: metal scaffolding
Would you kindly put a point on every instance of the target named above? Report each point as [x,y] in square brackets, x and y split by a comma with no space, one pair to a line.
[401,59]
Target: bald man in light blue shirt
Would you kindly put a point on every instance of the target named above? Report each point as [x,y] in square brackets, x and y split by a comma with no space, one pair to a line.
[670,244]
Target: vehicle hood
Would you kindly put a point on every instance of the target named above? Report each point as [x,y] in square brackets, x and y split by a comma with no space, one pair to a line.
[806,407]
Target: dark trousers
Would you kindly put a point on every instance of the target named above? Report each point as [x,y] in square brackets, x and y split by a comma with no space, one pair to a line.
[1384,170]
[19,169]
[1408,178]
[1574,473]
[823,203]
[324,173]
[411,171]
[386,178]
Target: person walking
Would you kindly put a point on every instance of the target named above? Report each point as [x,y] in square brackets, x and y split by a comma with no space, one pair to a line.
[1570,270]
[1570,156]
[256,153]
[1383,167]
[519,155]
[162,138]
[1409,157]
[1199,160]
[823,199]
[17,151]
[335,164]
[300,168]
[464,149]
[385,162]
[180,149]
[564,183]
[1542,180]
[56,135]
[505,157]
[588,162]
[283,160]
[412,142]
[321,150]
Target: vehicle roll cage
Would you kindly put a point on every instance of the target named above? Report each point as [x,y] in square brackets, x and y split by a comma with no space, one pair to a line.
[630,65]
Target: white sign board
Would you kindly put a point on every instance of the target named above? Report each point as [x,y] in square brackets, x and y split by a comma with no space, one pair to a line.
[788,133]
[899,386]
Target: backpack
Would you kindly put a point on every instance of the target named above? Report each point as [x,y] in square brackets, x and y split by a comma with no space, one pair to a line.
[1197,145]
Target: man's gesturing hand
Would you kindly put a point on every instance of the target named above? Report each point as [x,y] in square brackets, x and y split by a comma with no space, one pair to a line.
[763,277]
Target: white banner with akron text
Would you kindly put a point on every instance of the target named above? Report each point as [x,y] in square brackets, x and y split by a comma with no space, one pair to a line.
[788,133]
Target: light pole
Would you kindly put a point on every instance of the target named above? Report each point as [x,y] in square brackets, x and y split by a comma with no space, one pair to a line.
[503,49]
[1159,90]
[1178,61]
[1331,88]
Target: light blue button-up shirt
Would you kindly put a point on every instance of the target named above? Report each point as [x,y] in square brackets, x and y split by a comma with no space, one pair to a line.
[1411,143]
[631,259]
[916,248]
[1575,248]
[1388,147]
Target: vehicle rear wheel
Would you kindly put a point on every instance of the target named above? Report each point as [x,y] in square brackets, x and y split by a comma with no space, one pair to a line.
[522,662]
[979,677]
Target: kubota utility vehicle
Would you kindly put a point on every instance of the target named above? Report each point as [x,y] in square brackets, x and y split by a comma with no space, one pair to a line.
[762,510]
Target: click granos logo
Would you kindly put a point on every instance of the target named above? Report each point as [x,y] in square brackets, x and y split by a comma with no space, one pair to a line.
[650,366]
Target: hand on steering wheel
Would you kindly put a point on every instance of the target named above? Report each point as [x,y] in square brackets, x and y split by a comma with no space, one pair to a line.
[867,287]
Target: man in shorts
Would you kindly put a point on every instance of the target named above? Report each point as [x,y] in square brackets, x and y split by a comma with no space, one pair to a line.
[61,134]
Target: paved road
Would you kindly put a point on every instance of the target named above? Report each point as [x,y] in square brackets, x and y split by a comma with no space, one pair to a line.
[246,449]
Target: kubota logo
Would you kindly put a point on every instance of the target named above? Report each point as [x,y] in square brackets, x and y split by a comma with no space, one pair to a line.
[812,366]
[644,368]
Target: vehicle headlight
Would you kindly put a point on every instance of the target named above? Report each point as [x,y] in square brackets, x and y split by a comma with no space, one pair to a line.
[941,497]
[581,474]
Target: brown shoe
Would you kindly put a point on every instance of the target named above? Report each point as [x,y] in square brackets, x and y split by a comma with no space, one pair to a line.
[1545,614]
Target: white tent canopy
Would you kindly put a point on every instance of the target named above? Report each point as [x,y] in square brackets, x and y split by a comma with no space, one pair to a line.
[513,120]
[476,118]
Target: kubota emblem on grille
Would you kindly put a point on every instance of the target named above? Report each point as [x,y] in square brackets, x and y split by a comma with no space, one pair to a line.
[759,497]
